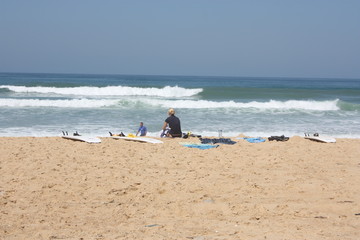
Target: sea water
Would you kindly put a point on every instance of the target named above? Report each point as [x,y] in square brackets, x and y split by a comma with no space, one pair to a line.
[47,104]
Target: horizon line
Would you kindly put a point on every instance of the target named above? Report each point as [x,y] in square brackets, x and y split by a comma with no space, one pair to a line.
[179,75]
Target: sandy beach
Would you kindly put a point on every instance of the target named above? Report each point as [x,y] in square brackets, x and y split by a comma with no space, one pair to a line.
[53,188]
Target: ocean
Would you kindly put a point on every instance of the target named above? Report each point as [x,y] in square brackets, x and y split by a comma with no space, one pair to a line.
[47,104]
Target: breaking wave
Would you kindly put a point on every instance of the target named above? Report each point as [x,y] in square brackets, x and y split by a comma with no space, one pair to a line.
[186,104]
[68,103]
[167,91]
[272,104]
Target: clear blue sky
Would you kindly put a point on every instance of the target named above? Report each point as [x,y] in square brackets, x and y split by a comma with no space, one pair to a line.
[266,38]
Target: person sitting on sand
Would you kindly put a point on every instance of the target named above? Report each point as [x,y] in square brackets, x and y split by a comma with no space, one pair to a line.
[142,130]
[174,124]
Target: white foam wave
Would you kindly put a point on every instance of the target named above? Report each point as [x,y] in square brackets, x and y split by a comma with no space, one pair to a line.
[109,91]
[272,104]
[73,103]
[185,104]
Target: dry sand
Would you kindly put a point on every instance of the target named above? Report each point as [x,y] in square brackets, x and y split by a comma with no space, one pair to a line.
[52,188]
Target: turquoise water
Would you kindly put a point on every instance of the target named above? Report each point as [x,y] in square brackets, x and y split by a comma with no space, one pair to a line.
[46,104]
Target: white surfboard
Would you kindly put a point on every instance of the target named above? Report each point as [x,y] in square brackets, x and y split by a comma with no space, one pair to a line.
[320,138]
[139,139]
[87,139]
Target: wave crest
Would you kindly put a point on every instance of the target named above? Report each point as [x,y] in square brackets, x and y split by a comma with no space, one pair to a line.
[272,104]
[71,103]
[167,91]
[185,104]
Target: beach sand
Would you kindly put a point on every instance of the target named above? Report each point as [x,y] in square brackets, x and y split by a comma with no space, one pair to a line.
[53,188]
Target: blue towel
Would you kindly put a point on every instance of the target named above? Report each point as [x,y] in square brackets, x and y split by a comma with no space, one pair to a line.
[255,140]
[201,146]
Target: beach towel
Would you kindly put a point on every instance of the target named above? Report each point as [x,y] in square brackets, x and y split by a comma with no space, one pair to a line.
[199,145]
[278,138]
[255,140]
[217,140]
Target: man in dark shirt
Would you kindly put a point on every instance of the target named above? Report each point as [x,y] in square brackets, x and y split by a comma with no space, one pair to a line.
[174,124]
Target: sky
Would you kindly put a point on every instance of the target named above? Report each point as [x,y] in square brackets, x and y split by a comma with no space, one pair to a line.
[255,38]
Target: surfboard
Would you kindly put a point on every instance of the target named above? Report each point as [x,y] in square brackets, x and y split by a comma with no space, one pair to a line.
[87,139]
[139,139]
[320,138]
